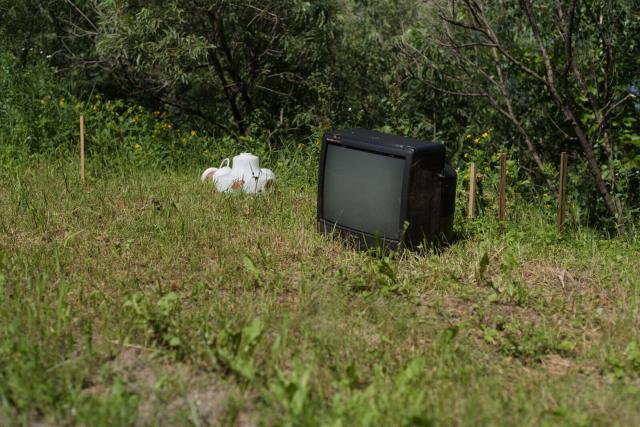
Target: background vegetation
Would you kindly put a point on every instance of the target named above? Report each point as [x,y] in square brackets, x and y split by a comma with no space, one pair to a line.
[538,80]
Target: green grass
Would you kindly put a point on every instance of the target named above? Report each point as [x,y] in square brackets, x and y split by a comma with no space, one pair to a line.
[145,297]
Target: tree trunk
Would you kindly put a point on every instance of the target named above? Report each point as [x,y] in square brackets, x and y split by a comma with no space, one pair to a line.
[231,99]
[594,166]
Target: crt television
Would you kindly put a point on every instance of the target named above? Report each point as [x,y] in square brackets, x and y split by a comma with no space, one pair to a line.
[377,189]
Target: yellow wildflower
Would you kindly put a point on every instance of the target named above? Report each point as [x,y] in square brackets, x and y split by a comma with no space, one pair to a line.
[62,102]
[485,135]
[466,155]
[137,147]
[194,133]
[468,136]
[476,140]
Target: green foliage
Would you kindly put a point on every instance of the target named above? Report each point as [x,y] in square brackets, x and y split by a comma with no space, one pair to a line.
[41,369]
[232,65]
[29,27]
[115,407]
[32,108]
[158,320]
[114,130]
[279,73]
[493,57]
[235,348]
[525,341]
[377,275]
[252,269]
[375,403]
[625,364]
[292,393]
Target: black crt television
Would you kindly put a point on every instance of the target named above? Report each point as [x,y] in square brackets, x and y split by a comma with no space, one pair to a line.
[376,189]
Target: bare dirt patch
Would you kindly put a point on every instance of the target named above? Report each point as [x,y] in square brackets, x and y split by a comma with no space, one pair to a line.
[170,392]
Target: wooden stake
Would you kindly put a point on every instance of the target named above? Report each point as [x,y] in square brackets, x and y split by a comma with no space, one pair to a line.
[503,186]
[82,148]
[562,195]
[472,190]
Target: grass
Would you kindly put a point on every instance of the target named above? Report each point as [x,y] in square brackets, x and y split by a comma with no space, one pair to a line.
[147,298]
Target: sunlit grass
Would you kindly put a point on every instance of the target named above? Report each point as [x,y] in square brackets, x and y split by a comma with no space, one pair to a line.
[146,297]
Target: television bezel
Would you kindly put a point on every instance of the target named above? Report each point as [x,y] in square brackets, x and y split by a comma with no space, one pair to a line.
[362,237]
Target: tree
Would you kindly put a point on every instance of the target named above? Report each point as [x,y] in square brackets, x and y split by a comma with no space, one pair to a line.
[35,29]
[561,57]
[228,63]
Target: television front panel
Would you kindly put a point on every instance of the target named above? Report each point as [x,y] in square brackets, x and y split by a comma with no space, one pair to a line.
[372,184]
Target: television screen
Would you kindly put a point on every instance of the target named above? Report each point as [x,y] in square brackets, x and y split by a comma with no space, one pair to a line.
[363,190]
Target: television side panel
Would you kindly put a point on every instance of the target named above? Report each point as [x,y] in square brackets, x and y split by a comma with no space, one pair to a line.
[424,202]
[448,202]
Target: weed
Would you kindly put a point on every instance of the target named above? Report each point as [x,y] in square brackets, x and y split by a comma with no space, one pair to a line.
[158,320]
[234,348]
[625,364]
[526,341]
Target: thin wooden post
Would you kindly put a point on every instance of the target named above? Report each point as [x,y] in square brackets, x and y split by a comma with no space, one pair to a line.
[82,148]
[562,195]
[503,186]
[472,190]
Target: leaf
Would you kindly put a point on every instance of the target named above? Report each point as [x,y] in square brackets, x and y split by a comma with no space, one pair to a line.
[168,303]
[250,266]
[566,346]
[493,297]
[300,395]
[384,268]
[484,263]
[449,334]
[244,366]
[251,334]
[413,370]
[489,335]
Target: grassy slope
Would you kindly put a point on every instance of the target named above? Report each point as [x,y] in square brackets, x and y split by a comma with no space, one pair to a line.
[150,298]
